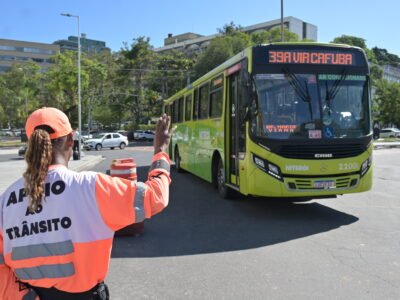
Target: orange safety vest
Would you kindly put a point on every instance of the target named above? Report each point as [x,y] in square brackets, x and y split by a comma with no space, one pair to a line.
[67,242]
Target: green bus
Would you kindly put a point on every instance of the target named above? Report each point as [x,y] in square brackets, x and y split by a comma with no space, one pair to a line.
[283,120]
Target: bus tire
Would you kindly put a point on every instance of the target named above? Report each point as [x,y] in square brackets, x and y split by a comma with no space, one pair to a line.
[177,159]
[214,169]
[224,191]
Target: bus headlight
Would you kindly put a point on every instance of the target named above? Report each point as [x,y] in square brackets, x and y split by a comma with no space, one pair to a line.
[259,162]
[267,167]
[365,166]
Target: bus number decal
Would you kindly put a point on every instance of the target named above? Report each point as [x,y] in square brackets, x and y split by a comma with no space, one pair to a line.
[348,166]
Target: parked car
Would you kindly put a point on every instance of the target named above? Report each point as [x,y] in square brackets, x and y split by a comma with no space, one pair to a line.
[17,132]
[143,135]
[123,132]
[390,133]
[106,140]
[86,135]
[7,132]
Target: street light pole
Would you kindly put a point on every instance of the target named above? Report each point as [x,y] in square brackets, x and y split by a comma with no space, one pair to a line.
[79,83]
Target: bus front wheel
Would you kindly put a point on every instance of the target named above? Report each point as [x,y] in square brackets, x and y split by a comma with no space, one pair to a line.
[224,191]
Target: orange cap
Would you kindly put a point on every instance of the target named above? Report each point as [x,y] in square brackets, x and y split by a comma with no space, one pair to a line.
[49,116]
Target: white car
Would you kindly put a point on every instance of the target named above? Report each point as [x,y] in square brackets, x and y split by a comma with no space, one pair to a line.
[86,135]
[390,133]
[106,140]
[143,135]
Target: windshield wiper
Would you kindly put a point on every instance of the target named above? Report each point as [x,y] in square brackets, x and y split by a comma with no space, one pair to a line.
[304,94]
[332,92]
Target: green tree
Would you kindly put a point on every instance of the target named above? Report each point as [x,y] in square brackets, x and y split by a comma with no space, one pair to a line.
[358,42]
[137,60]
[232,41]
[273,36]
[376,73]
[385,58]
[97,78]
[172,71]
[219,50]
[350,40]
[388,100]
[20,92]
[61,84]
[229,29]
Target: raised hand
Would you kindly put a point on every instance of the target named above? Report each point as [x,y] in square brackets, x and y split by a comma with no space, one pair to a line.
[163,134]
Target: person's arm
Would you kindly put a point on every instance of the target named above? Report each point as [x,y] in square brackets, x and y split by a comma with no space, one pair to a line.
[122,202]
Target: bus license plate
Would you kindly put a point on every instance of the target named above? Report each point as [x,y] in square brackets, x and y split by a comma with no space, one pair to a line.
[324,184]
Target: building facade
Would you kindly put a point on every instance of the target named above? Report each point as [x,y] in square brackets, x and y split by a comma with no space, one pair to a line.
[192,42]
[89,46]
[391,73]
[12,51]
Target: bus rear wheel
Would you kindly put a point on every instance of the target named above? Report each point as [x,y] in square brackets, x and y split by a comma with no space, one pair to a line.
[224,191]
[177,161]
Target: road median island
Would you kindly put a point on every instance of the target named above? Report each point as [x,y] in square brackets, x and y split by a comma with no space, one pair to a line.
[386,145]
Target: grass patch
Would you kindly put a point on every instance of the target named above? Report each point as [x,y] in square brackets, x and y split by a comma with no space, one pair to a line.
[10,144]
[387,140]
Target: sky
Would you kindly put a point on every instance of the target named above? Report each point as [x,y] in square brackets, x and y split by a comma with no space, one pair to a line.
[119,21]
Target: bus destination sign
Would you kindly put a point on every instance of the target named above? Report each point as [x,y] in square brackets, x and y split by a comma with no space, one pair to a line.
[310,57]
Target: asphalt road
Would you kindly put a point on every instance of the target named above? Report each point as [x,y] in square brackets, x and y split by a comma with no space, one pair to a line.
[203,247]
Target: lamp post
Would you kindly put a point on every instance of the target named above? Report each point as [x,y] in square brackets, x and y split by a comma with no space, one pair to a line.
[79,83]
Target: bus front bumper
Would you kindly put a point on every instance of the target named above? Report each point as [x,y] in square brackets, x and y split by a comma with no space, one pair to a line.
[263,184]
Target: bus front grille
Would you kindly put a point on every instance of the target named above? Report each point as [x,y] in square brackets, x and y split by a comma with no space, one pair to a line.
[308,184]
[320,151]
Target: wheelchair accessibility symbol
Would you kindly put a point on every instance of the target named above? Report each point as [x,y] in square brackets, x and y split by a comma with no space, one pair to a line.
[328,131]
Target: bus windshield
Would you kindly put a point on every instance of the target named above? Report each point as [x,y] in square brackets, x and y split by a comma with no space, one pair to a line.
[311,106]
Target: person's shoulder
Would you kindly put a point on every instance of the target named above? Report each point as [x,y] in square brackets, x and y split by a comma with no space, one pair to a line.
[74,176]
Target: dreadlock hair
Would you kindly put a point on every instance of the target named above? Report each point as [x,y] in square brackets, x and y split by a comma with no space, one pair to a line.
[38,157]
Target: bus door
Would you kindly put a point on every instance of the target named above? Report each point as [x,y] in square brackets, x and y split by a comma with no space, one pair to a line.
[233,125]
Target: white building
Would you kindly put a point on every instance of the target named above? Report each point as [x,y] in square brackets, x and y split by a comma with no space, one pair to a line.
[391,73]
[192,42]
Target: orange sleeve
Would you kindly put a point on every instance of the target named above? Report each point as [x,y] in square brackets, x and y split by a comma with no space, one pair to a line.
[122,202]
[9,287]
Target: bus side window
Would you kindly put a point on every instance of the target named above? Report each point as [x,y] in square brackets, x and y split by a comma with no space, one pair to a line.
[216,104]
[216,97]
[196,104]
[188,108]
[203,101]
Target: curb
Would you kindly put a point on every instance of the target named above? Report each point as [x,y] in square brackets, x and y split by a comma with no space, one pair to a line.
[380,147]
[88,164]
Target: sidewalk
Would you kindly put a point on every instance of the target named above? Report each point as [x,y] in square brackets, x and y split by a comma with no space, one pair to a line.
[386,145]
[12,170]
